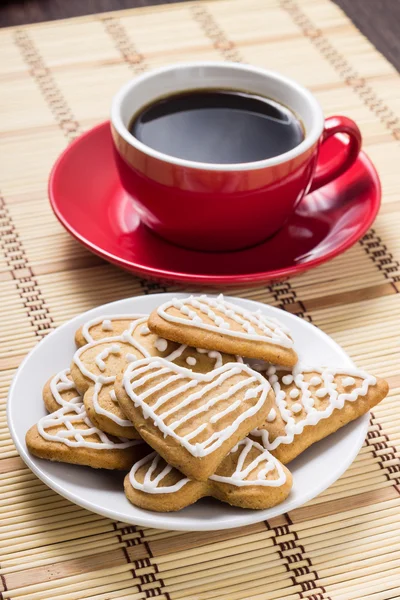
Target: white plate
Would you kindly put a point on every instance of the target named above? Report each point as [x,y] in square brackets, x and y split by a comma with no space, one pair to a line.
[102,492]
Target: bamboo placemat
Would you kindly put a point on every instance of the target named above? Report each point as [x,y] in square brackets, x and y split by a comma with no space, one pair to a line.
[56,80]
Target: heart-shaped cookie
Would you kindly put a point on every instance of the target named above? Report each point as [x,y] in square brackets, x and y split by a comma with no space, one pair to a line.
[94,368]
[216,324]
[68,435]
[249,477]
[193,419]
[312,402]
[104,411]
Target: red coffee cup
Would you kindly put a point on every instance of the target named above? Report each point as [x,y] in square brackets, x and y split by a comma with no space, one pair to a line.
[220,207]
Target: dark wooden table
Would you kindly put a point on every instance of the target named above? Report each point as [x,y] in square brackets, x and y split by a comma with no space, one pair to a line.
[378,20]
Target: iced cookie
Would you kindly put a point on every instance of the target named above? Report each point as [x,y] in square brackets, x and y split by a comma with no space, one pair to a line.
[216,324]
[101,360]
[68,435]
[193,419]
[105,326]
[104,411]
[97,363]
[249,477]
[311,403]
[94,368]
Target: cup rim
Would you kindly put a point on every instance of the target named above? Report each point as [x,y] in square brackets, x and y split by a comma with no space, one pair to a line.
[310,139]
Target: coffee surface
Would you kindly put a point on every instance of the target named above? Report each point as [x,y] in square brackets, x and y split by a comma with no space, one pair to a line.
[218,127]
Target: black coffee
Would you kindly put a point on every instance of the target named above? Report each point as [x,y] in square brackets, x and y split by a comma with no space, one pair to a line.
[218,126]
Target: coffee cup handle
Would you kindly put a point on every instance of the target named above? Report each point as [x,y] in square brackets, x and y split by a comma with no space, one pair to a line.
[344,159]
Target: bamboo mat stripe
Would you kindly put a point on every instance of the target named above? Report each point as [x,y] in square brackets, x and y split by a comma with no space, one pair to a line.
[57,82]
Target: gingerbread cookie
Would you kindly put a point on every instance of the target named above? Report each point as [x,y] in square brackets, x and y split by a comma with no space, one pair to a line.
[97,363]
[68,435]
[94,368]
[311,403]
[104,411]
[101,360]
[216,324]
[249,477]
[193,419]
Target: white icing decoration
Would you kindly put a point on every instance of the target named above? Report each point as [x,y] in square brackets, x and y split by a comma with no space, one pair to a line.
[73,437]
[109,319]
[272,331]
[153,484]
[145,330]
[104,354]
[61,383]
[106,325]
[312,415]
[150,485]
[191,361]
[143,371]
[113,395]
[315,380]
[176,353]
[348,381]
[296,408]
[130,357]
[271,415]
[74,412]
[214,354]
[294,393]
[238,478]
[161,344]
[103,411]
[218,358]
[287,379]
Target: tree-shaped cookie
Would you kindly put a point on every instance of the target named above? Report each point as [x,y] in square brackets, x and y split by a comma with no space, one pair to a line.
[312,402]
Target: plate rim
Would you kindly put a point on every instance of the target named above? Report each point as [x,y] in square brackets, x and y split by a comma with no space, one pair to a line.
[232,280]
[148,521]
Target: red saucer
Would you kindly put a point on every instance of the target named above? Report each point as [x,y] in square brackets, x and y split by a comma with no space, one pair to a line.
[87,197]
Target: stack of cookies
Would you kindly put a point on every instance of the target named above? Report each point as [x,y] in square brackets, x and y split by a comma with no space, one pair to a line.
[199,398]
